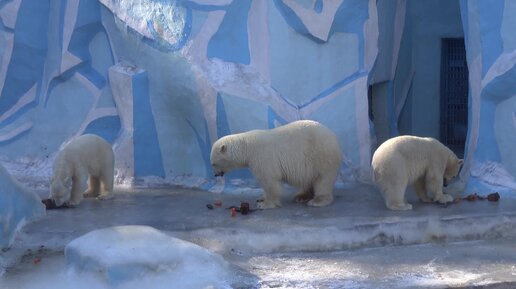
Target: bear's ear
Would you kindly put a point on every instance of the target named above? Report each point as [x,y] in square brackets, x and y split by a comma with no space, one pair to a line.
[460,162]
[223,148]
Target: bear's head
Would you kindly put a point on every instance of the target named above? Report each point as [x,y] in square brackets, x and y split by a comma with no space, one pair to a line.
[226,155]
[59,192]
[453,166]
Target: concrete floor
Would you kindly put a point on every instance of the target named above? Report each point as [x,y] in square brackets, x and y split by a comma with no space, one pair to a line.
[354,243]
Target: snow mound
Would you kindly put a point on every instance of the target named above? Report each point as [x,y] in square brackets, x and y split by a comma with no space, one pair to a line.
[18,205]
[130,253]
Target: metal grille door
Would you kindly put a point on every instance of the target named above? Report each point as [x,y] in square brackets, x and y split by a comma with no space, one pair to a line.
[454,94]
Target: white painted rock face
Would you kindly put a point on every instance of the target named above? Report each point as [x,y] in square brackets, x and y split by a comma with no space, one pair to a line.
[126,253]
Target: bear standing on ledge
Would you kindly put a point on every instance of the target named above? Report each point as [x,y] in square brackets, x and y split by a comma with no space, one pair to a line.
[304,154]
[424,162]
[87,155]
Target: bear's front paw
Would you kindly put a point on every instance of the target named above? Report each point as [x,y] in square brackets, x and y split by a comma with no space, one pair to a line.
[400,207]
[264,204]
[320,202]
[105,197]
[443,198]
[302,198]
[90,195]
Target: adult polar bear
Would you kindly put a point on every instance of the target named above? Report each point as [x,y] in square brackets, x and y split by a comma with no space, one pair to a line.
[87,155]
[304,154]
[424,162]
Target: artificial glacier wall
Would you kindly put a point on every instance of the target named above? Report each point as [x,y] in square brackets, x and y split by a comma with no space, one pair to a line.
[162,80]
[491,53]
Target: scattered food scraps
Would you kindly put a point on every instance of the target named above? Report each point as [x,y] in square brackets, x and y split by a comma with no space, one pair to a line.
[244,208]
[493,197]
[50,204]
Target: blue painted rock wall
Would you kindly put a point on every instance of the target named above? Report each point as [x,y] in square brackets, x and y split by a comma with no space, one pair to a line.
[162,80]
[491,53]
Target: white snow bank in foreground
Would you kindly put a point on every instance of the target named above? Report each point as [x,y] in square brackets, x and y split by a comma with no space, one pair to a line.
[139,254]
[18,204]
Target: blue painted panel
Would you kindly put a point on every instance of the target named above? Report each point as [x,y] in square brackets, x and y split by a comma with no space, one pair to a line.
[490,18]
[274,120]
[223,130]
[319,5]
[339,115]
[293,20]
[335,87]
[107,127]
[29,51]
[464,15]
[222,119]
[204,144]
[244,114]
[487,147]
[350,18]
[231,43]
[147,153]
[302,69]
[502,87]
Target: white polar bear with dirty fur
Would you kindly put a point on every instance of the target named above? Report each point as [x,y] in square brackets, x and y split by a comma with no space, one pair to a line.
[304,154]
[422,162]
[88,156]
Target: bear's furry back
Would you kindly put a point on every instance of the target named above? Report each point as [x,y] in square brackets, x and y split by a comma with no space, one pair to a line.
[411,154]
[297,152]
[88,151]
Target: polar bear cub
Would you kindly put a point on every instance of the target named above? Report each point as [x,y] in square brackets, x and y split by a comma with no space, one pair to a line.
[425,163]
[86,156]
[304,154]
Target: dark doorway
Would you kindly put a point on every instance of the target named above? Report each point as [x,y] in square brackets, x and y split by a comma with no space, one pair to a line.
[454,95]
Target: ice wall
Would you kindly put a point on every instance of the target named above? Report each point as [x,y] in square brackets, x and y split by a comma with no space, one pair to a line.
[18,204]
[491,53]
[162,80]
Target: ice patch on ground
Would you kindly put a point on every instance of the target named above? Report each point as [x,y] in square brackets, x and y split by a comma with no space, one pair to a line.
[18,204]
[332,237]
[135,253]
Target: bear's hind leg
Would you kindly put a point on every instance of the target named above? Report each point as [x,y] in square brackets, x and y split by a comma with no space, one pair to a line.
[323,191]
[394,195]
[106,191]
[420,189]
[93,189]
[271,198]
[304,195]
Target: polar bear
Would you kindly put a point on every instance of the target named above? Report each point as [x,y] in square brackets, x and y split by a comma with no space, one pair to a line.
[86,156]
[304,154]
[425,163]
